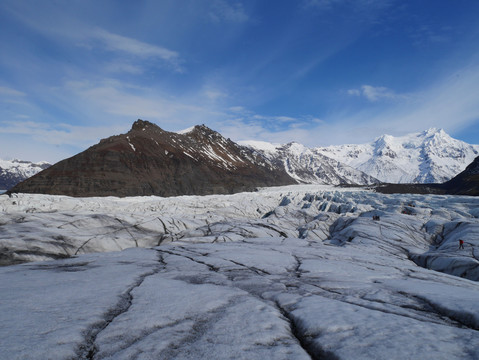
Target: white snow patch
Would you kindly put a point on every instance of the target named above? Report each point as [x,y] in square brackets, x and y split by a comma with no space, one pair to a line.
[185,131]
[260,145]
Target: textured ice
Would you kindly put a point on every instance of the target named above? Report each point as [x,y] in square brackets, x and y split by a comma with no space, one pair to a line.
[294,272]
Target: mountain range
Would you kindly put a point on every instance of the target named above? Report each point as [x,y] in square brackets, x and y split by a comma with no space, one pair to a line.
[431,156]
[465,183]
[14,171]
[151,161]
[309,166]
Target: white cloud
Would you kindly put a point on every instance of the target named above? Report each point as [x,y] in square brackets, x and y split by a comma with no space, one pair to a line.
[236,109]
[126,45]
[354,92]
[124,102]
[242,124]
[451,103]
[60,134]
[132,46]
[239,129]
[67,27]
[375,93]
[213,94]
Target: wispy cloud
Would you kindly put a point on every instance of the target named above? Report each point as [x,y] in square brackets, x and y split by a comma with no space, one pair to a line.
[49,142]
[132,102]
[68,29]
[60,134]
[133,46]
[240,129]
[103,39]
[242,124]
[227,11]
[376,93]
[6,91]
[451,103]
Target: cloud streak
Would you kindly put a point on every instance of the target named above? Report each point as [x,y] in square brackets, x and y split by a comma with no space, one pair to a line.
[376,93]
[6,91]
[60,134]
[129,46]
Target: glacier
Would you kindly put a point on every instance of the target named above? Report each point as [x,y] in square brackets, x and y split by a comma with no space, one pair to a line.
[294,272]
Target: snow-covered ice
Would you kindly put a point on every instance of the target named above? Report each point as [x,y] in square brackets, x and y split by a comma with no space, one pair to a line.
[293,272]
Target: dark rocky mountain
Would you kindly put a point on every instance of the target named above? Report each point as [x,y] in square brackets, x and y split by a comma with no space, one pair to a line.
[465,183]
[150,161]
[15,171]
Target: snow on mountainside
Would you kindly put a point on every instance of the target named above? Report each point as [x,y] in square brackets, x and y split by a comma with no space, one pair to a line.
[151,161]
[431,156]
[14,171]
[310,166]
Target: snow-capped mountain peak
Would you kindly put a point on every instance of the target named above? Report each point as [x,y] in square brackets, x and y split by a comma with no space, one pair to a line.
[306,165]
[14,171]
[431,156]
[260,145]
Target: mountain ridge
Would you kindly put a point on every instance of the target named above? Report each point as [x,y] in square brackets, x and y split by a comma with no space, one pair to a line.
[14,171]
[148,160]
[308,166]
[430,156]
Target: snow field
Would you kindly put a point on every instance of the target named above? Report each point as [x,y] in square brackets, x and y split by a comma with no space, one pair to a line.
[287,273]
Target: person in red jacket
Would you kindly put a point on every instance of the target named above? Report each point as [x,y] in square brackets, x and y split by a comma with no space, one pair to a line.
[461,244]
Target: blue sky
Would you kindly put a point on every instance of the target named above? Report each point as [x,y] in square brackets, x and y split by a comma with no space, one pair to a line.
[319,72]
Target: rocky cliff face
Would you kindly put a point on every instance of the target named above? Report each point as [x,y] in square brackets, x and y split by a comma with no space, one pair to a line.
[150,161]
[467,182]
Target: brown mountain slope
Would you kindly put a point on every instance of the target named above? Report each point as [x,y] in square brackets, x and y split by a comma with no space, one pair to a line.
[150,161]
